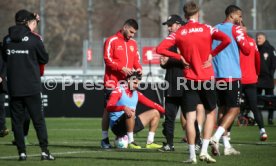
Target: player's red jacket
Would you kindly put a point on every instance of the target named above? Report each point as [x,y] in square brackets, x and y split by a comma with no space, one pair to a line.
[116,95]
[250,64]
[119,53]
[194,41]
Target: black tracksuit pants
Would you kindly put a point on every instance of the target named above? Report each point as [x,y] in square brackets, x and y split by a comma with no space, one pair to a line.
[26,124]
[250,92]
[2,112]
[268,91]
[172,105]
[33,104]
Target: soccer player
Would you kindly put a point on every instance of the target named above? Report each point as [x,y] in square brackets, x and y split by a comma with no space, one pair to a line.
[227,70]
[194,42]
[250,67]
[122,111]
[121,56]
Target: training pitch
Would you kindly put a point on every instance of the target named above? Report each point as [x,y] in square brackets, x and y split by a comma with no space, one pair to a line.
[76,141]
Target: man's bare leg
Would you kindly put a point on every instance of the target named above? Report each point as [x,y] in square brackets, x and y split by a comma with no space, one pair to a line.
[208,130]
[191,132]
[151,118]
[200,116]
[105,125]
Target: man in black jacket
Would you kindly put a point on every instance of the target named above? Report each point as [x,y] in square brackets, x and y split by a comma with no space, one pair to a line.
[23,54]
[268,66]
[3,90]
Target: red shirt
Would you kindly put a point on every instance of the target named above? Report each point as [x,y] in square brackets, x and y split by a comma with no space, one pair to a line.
[250,64]
[41,66]
[119,53]
[194,41]
[116,95]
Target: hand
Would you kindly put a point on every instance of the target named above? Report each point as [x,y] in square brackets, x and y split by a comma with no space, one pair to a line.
[186,64]
[208,63]
[127,71]
[1,80]
[163,60]
[37,17]
[129,111]
[139,71]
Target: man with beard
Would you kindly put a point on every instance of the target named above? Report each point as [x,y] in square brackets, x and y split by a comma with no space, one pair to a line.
[121,57]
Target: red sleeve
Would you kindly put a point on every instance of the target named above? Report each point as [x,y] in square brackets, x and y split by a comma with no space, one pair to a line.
[41,68]
[239,36]
[218,35]
[257,60]
[113,99]
[165,45]
[108,54]
[147,102]
[137,64]
[37,35]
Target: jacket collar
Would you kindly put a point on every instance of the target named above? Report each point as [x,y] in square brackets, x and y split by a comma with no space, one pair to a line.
[192,20]
[120,35]
[266,45]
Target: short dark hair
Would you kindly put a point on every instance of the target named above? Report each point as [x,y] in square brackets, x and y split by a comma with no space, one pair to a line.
[133,23]
[260,34]
[190,9]
[231,9]
[135,75]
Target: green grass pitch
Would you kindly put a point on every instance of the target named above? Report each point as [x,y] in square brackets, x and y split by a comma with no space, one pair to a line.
[76,141]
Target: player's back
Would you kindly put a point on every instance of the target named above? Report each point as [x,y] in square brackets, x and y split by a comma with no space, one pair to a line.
[194,42]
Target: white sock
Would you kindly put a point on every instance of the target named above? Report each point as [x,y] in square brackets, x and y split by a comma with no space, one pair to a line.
[104,134]
[262,130]
[205,145]
[219,133]
[192,151]
[228,134]
[226,142]
[150,137]
[130,137]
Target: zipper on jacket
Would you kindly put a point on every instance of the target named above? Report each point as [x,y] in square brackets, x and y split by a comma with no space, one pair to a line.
[126,55]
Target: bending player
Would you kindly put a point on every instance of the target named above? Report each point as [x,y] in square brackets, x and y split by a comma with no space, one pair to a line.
[123,119]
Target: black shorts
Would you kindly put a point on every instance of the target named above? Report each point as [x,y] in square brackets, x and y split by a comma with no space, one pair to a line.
[107,93]
[120,129]
[199,93]
[229,95]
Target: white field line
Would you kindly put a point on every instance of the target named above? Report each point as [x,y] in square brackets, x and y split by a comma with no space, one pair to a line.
[73,129]
[57,153]
[56,142]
